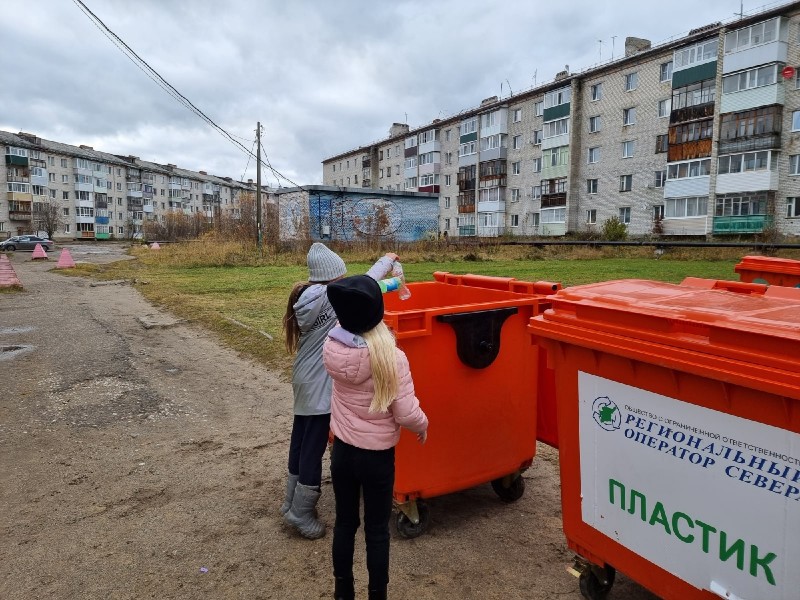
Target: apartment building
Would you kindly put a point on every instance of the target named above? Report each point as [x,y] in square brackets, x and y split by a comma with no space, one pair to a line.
[101,195]
[699,136]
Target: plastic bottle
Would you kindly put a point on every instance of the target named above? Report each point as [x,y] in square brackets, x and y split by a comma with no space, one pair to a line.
[397,271]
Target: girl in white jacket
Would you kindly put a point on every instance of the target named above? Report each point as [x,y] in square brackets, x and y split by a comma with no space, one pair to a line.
[373,396]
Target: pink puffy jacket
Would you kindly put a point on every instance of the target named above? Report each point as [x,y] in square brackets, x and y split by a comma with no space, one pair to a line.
[353,390]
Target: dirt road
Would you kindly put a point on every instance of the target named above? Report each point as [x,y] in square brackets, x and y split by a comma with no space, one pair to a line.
[149,463]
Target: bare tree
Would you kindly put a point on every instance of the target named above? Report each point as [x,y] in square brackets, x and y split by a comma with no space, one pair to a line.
[47,216]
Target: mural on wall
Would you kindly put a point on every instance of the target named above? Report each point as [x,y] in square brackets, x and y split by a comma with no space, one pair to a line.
[352,217]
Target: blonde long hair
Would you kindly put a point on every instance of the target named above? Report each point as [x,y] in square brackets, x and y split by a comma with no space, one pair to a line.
[383,362]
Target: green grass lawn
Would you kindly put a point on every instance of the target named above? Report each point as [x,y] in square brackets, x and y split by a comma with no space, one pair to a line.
[255,295]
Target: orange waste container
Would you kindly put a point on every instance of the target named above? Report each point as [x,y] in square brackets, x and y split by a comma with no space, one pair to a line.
[679,431]
[769,270]
[470,354]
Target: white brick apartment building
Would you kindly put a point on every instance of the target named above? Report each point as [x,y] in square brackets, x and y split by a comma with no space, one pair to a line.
[698,136]
[101,195]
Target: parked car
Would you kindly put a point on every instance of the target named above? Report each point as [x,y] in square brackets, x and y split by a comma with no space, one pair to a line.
[26,242]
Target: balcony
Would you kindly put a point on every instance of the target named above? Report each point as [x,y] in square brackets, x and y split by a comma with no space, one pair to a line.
[691,113]
[20,161]
[430,189]
[101,220]
[554,200]
[741,224]
[133,177]
[18,179]
[365,183]
[20,215]
[769,141]
[466,230]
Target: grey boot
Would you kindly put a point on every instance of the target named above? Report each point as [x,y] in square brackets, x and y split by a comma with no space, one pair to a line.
[301,515]
[291,483]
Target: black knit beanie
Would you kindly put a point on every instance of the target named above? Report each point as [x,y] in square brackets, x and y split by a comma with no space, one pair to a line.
[358,302]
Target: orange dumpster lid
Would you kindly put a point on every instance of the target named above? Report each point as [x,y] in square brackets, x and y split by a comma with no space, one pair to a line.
[768,264]
[761,329]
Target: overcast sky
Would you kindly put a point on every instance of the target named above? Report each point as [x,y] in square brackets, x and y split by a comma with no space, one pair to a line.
[322,76]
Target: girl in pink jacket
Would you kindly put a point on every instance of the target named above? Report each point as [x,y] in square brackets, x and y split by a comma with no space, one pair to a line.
[373,396]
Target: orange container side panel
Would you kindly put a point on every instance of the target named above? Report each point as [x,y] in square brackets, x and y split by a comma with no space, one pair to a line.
[679,453]
[482,411]
[769,270]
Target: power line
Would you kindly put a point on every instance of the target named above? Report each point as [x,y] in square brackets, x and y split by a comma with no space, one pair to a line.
[248,160]
[142,65]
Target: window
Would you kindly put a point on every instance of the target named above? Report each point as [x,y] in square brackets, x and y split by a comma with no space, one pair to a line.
[119,186]
[553,215]
[660,178]
[591,186]
[796,120]
[63,163]
[515,168]
[740,204]
[748,161]
[491,142]
[447,223]
[447,135]
[448,158]
[515,220]
[536,192]
[411,162]
[627,149]
[430,136]
[66,228]
[591,216]
[51,177]
[679,208]
[625,215]
[557,97]
[468,148]
[625,183]
[692,168]
[517,115]
[447,179]
[396,153]
[489,119]
[755,35]
[664,107]
[447,201]
[594,124]
[536,138]
[594,155]
[691,132]
[538,108]
[554,128]
[470,126]
[65,179]
[53,194]
[662,143]
[537,165]
[597,91]
[555,157]
[750,122]
[666,72]
[702,52]
[794,164]
[792,208]
[65,195]
[515,194]
[381,174]
[631,81]
[388,171]
[516,142]
[747,80]
[380,155]
[628,116]
[695,94]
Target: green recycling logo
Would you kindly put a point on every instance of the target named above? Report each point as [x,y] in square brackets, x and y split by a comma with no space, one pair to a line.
[606,414]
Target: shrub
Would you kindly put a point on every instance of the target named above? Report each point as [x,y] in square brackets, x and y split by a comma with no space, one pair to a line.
[614,230]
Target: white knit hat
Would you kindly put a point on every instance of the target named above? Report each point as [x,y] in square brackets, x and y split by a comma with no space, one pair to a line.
[324,264]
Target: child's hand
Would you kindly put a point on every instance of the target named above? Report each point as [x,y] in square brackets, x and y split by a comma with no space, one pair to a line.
[422,437]
[392,256]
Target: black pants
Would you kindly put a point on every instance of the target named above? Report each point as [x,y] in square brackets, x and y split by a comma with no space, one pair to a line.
[355,471]
[308,443]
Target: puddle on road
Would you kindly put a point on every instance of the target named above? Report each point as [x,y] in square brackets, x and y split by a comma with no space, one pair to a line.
[10,330]
[12,351]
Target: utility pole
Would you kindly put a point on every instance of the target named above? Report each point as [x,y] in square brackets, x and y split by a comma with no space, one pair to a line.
[258,186]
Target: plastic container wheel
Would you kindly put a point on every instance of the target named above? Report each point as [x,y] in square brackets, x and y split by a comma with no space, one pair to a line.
[511,492]
[407,529]
[591,586]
